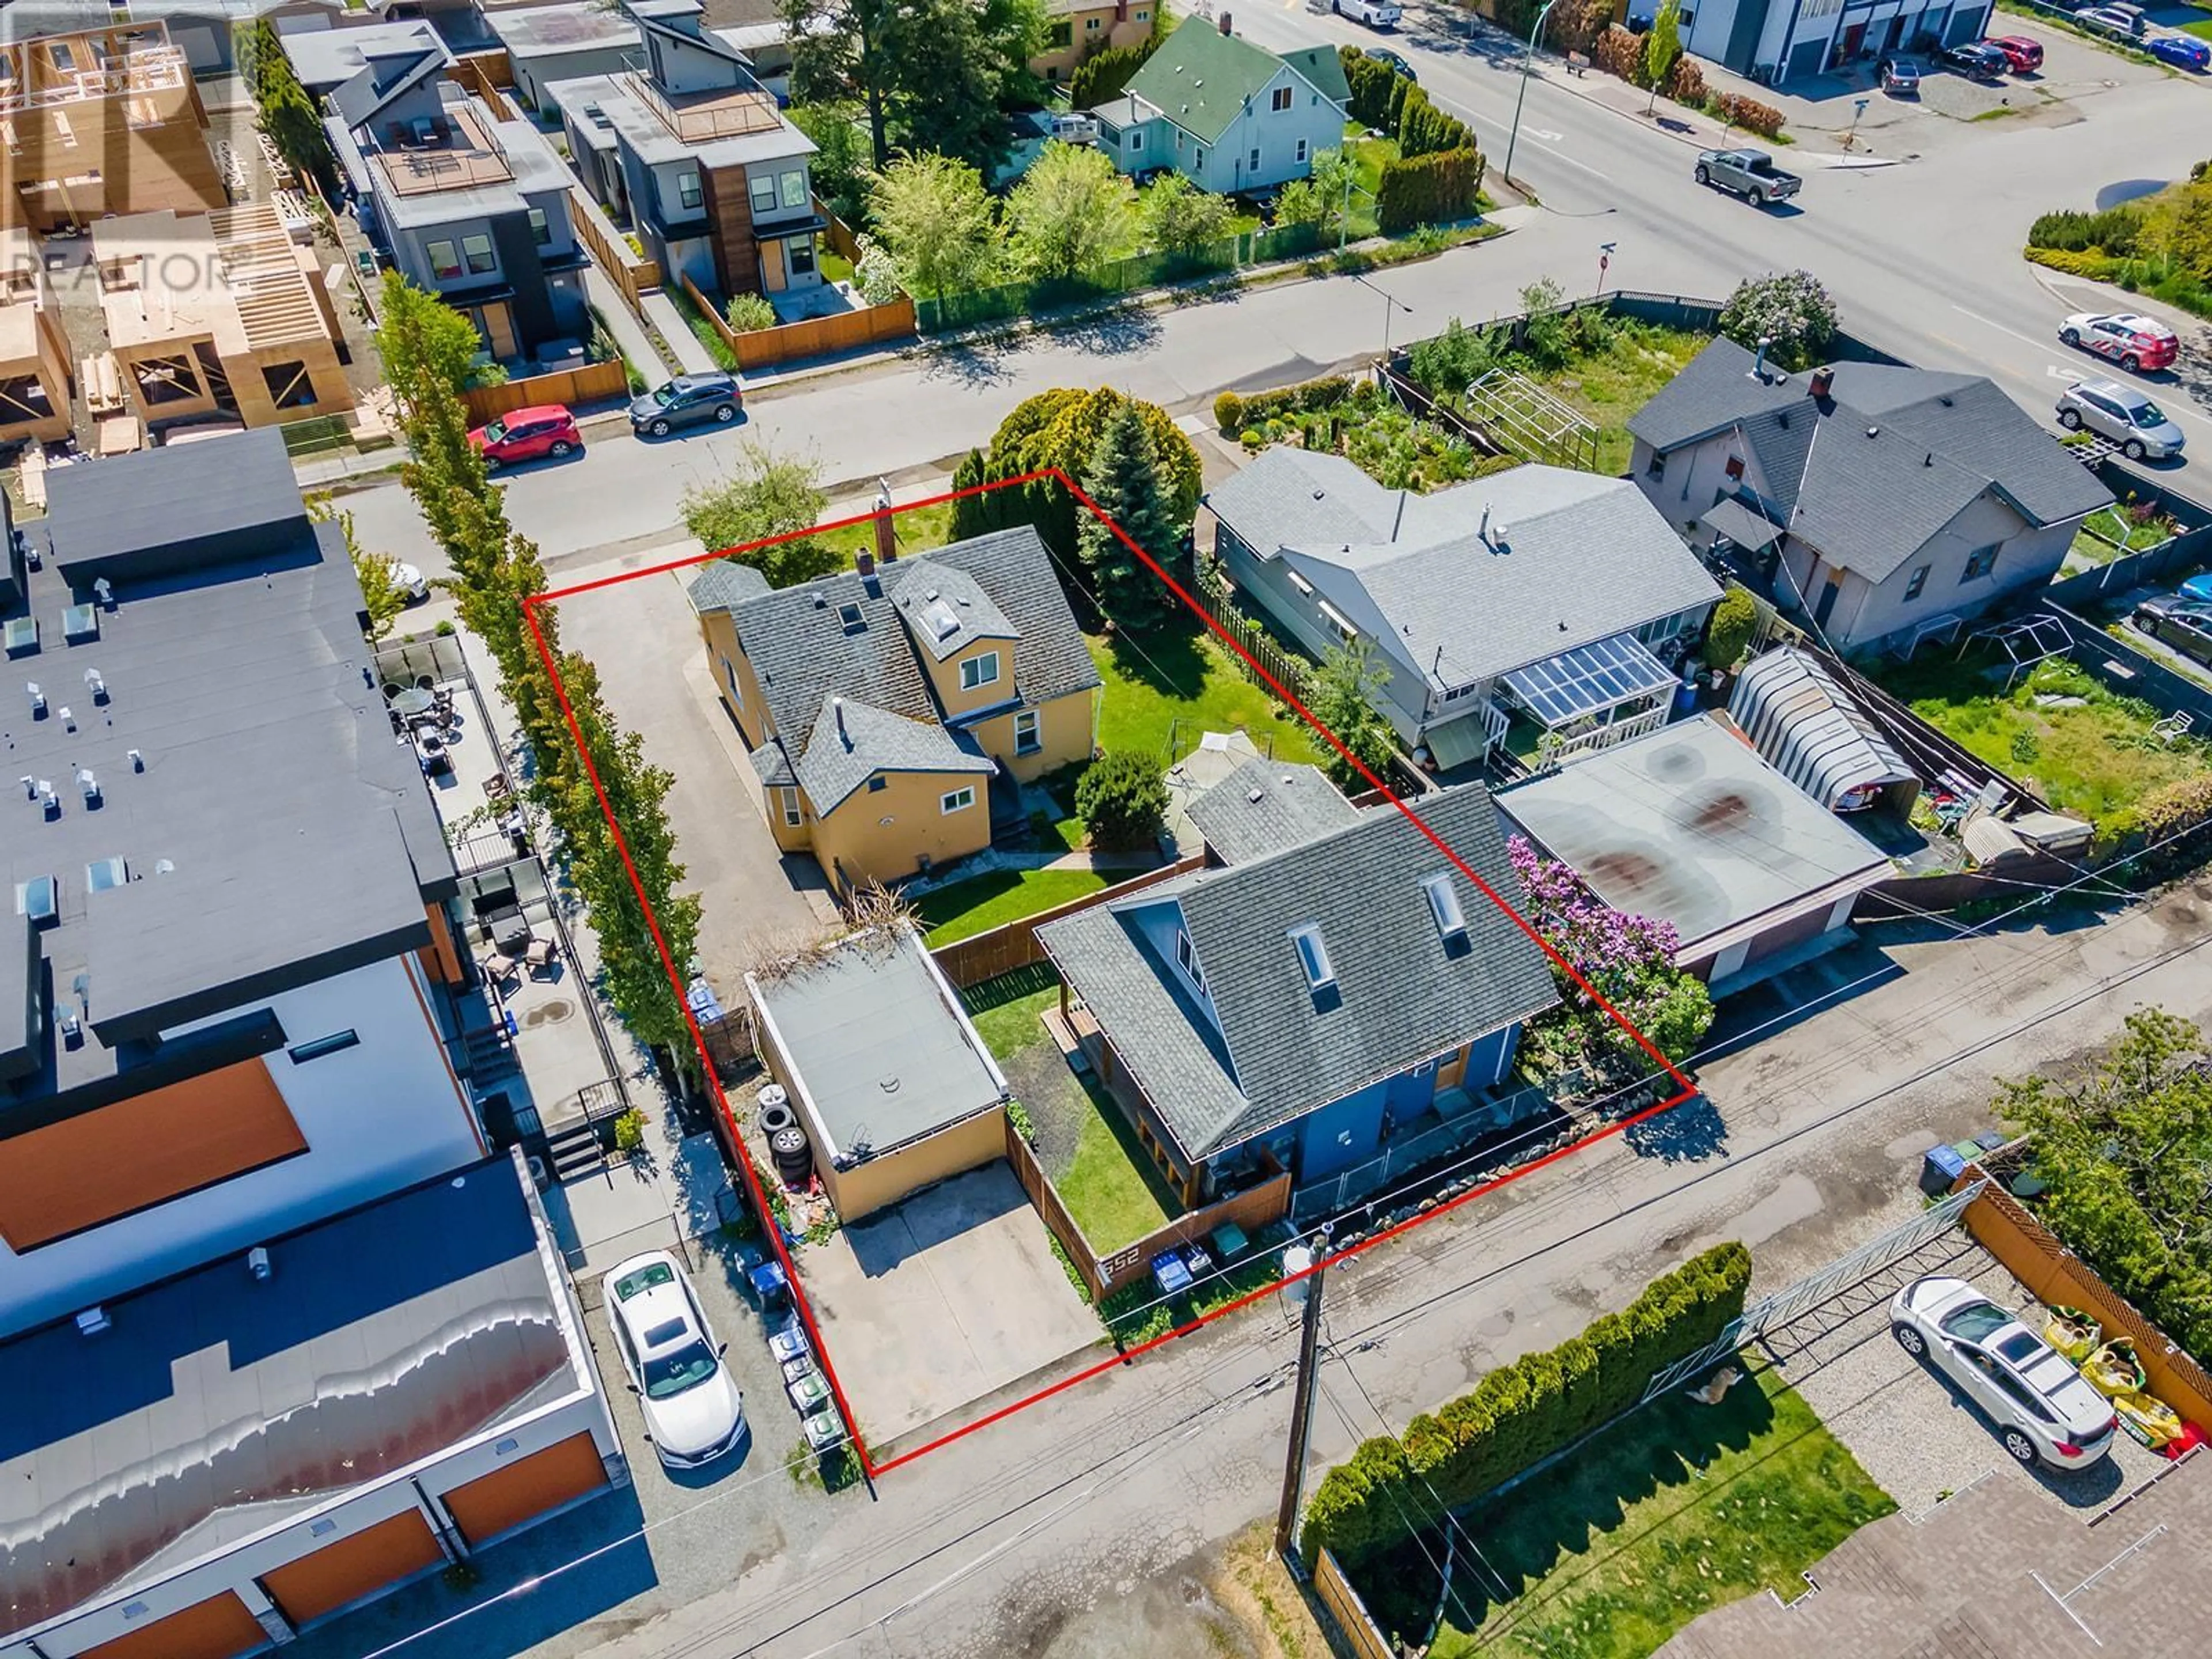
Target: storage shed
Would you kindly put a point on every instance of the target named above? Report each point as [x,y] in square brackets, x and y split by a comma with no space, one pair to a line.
[1797,716]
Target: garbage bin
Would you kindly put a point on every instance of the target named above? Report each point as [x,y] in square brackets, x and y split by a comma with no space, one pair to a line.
[1939,1170]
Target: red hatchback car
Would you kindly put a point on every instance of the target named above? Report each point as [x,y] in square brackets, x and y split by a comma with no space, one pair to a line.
[527,433]
[2026,55]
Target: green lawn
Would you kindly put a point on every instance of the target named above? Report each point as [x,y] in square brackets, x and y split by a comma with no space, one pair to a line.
[2091,760]
[1183,684]
[1680,1508]
[921,530]
[2202,28]
[982,903]
[1367,155]
[1009,1026]
[1610,386]
[1111,1187]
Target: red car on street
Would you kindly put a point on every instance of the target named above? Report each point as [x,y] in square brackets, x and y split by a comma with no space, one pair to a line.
[2026,55]
[2135,343]
[527,433]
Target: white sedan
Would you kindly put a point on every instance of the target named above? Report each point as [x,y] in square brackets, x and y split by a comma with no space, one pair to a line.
[693,1411]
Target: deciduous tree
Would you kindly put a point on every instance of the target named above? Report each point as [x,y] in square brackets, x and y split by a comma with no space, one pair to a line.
[933,76]
[1073,209]
[382,595]
[935,220]
[766,492]
[1344,695]
[1788,309]
[1180,218]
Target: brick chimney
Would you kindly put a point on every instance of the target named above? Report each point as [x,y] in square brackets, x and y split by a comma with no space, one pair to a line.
[1824,380]
[886,541]
[1224,23]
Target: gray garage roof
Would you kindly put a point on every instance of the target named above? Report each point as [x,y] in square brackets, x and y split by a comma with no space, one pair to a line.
[1568,558]
[1690,825]
[1264,1047]
[879,1047]
[1265,806]
[218,1405]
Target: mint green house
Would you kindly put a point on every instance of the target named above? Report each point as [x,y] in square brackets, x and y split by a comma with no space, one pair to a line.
[1226,114]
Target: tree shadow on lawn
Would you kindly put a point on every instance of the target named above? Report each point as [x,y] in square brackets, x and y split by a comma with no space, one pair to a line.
[1571,1510]
[1168,659]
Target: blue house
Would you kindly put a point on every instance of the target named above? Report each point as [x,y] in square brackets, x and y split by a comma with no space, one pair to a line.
[1335,983]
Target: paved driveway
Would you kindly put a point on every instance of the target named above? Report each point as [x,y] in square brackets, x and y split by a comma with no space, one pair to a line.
[940,1301]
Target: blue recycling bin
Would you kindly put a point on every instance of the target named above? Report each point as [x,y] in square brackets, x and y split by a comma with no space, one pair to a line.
[1939,1170]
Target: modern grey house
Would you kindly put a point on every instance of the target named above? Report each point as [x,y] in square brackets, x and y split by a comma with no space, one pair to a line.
[325,59]
[546,44]
[1783,41]
[1557,597]
[1889,504]
[471,208]
[1226,114]
[1307,1005]
[691,151]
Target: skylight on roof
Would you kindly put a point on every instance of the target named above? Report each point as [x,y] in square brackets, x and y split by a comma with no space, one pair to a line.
[942,622]
[1443,906]
[850,616]
[1313,958]
[38,899]
[107,873]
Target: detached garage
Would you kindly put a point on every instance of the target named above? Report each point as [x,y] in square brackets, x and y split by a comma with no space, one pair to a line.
[1797,716]
[1690,825]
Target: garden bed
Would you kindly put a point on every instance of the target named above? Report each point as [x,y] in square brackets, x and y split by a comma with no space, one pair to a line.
[1679,1507]
[2086,750]
[2109,532]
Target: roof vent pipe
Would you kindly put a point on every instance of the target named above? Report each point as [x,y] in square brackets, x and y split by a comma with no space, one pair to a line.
[1759,363]
[837,711]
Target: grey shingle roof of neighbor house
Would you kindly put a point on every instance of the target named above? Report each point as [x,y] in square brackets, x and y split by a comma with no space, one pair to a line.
[804,651]
[1581,558]
[724,585]
[1401,994]
[1891,456]
[1265,806]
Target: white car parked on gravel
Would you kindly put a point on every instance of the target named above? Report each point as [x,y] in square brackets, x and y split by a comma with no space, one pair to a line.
[2045,1410]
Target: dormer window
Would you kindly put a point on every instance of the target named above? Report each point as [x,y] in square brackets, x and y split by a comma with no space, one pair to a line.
[1313,958]
[1186,959]
[1444,909]
[979,671]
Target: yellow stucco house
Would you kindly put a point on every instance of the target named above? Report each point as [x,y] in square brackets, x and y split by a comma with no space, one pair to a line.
[882,705]
[1080,28]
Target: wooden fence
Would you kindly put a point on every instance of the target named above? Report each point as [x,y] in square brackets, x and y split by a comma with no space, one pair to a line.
[1344,1605]
[590,383]
[482,73]
[627,269]
[2034,1256]
[1053,1213]
[843,242]
[1004,950]
[813,337]
[1218,600]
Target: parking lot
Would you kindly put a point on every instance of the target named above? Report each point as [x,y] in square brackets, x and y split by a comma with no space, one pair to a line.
[1919,1436]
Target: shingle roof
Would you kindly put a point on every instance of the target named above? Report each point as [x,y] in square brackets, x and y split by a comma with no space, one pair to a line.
[1324,68]
[1201,79]
[1887,459]
[1401,996]
[1265,806]
[1581,558]
[803,653]
[945,608]
[724,585]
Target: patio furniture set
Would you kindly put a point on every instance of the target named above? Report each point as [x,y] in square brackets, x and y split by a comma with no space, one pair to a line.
[423,717]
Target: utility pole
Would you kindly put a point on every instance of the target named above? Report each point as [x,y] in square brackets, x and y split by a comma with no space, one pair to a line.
[1294,1469]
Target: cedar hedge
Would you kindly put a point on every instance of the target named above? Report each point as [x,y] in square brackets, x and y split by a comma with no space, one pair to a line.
[1429,190]
[1374,88]
[1425,129]
[1520,1414]
[1233,413]
[1106,74]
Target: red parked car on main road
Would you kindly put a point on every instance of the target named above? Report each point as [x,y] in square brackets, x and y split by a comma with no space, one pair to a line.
[527,433]
[2026,55]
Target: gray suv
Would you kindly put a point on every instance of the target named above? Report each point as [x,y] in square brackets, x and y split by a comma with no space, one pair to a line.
[2138,426]
[687,400]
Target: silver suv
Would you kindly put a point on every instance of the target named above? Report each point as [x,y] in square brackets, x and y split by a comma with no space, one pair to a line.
[2127,416]
[2045,1410]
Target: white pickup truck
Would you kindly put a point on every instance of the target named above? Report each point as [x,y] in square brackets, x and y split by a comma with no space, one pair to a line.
[1750,174]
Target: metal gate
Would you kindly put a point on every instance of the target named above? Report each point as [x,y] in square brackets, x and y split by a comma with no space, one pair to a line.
[1854,1280]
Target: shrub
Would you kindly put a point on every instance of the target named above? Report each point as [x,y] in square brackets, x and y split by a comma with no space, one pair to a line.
[1619,52]
[1749,114]
[1788,308]
[1447,364]
[1123,800]
[630,1132]
[1425,129]
[1523,1412]
[1727,635]
[1432,189]
[1301,398]
[748,312]
[1686,85]
[1577,24]
[1229,412]
[2116,230]
[2084,262]
[1374,88]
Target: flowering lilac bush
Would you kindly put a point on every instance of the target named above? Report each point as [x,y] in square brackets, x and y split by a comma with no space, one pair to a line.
[1628,960]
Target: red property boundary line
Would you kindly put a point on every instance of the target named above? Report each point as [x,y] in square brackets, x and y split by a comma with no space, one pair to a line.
[532,605]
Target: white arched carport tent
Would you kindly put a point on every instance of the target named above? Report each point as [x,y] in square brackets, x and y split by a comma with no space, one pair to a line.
[1797,716]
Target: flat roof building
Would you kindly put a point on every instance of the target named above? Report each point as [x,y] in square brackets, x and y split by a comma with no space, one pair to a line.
[890,1081]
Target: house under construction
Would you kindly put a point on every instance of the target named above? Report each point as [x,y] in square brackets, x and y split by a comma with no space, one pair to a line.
[102,121]
[34,383]
[216,313]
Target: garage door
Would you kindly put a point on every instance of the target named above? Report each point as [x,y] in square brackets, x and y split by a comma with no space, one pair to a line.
[507,1497]
[218,1628]
[353,1567]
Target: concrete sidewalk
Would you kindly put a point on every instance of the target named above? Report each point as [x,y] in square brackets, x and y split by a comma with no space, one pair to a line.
[613,309]
[682,341]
